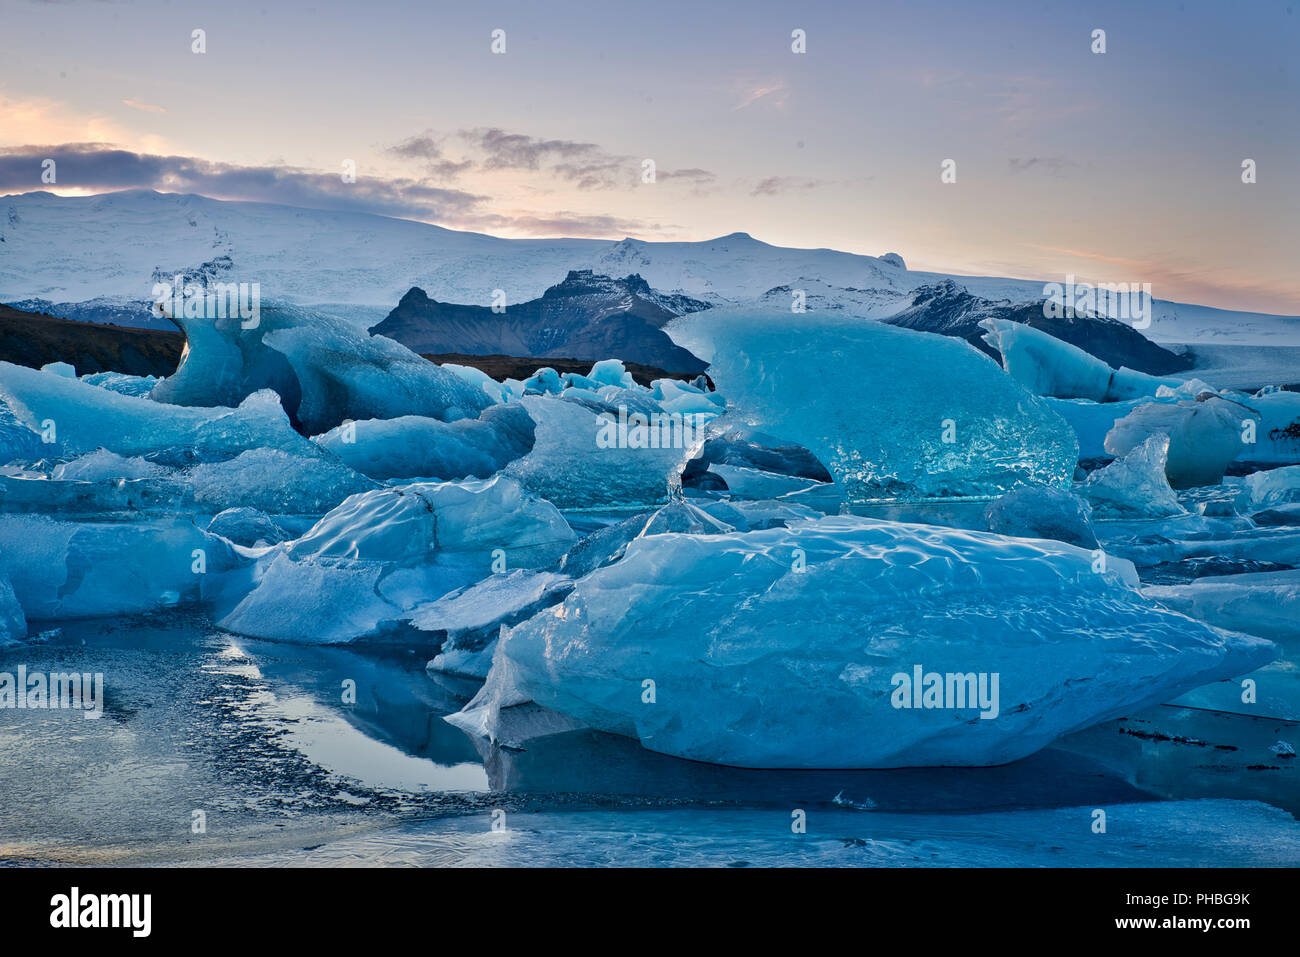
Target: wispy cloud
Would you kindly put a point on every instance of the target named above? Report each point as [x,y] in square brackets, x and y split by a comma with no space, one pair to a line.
[140,105]
[775,185]
[773,92]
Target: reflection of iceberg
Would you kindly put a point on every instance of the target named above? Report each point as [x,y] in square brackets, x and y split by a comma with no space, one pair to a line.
[939,418]
[782,648]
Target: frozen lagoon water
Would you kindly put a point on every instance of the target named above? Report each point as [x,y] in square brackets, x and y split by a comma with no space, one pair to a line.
[257,736]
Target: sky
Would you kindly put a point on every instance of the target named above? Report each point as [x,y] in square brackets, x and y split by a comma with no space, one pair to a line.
[1122,166]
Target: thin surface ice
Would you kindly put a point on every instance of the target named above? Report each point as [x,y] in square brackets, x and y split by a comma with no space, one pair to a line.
[891,412]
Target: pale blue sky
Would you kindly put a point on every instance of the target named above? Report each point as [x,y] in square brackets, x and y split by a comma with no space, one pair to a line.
[1123,166]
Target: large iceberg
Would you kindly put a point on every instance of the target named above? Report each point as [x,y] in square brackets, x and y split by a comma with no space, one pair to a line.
[1205,436]
[420,447]
[77,418]
[892,413]
[65,570]
[324,368]
[1048,366]
[363,567]
[848,642]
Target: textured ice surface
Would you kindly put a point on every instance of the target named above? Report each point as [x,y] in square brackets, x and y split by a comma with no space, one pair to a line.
[18,443]
[83,418]
[1042,513]
[1278,440]
[121,382]
[1266,604]
[13,623]
[568,465]
[472,617]
[248,527]
[275,481]
[92,569]
[1204,436]
[937,417]
[1280,486]
[368,562]
[103,465]
[1048,366]
[420,447]
[1134,485]
[325,369]
[779,648]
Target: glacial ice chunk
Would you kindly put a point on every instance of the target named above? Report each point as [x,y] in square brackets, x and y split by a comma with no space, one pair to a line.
[1265,604]
[1048,366]
[798,647]
[248,527]
[1042,513]
[1134,485]
[366,564]
[82,418]
[1280,486]
[582,460]
[1204,436]
[324,368]
[92,569]
[420,447]
[940,418]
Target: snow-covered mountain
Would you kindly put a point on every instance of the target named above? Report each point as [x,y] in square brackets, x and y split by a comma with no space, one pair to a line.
[94,256]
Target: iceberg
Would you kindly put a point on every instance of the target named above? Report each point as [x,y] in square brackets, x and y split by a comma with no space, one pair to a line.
[1265,604]
[365,565]
[324,368]
[582,459]
[1134,485]
[81,418]
[471,618]
[13,623]
[1281,486]
[1205,436]
[64,569]
[419,447]
[1042,513]
[1047,366]
[272,480]
[798,647]
[1278,439]
[248,527]
[942,419]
